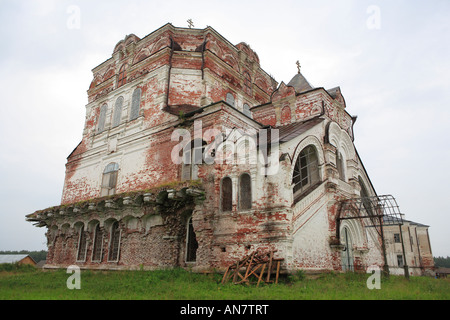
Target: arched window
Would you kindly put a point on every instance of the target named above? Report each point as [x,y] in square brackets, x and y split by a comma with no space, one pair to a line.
[340,165]
[245,192]
[246,110]
[82,244]
[102,118]
[226,194]
[122,76]
[306,171]
[117,111]
[230,99]
[114,243]
[109,179]
[98,244]
[365,197]
[191,243]
[192,158]
[135,104]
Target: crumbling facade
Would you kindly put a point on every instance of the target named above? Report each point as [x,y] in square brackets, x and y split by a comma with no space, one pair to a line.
[193,155]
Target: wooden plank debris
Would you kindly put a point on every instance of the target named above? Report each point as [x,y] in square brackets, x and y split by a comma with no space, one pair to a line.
[255,265]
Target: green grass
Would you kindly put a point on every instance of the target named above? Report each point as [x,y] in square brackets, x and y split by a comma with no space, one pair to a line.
[20,283]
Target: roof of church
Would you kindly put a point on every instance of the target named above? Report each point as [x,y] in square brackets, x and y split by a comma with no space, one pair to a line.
[293,130]
[300,83]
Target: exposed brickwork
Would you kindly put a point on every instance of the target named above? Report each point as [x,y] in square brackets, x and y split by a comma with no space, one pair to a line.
[192,71]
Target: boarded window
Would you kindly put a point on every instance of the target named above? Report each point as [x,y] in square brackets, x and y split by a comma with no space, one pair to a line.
[82,245]
[114,243]
[122,76]
[306,171]
[135,104]
[245,192]
[102,118]
[109,179]
[227,194]
[117,111]
[230,99]
[98,244]
[191,243]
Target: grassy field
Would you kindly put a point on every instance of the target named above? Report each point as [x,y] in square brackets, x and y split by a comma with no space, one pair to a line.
[26,283]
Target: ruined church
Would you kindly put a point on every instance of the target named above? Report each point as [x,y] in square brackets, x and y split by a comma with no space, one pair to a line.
[193,156]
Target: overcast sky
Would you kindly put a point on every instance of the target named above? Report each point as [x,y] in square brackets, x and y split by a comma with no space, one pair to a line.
[390,58]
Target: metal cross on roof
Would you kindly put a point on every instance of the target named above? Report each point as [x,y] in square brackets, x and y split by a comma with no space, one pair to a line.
[191,24]
[298,66]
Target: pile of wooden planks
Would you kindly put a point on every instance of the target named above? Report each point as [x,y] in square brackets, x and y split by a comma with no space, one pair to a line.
[254,266]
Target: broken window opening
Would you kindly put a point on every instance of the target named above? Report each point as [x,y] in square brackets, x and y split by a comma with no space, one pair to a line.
[306,171]
[98,244]
[227,194]
[114,243]
[109,179]
[191,243]
[245,192]
[82,245]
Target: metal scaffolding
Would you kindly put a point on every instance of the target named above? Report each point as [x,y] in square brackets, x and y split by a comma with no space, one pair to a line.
[380,211]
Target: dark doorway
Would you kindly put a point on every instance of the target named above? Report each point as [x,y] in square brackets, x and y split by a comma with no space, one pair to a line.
[191,243]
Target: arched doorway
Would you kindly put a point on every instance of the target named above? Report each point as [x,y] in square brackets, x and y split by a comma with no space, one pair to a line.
[347,252]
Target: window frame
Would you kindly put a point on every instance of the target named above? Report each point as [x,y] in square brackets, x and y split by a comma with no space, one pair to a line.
[229,200]
[245,200]
[101,124]
[82,245]
[135,107]
[228,97]
[113,249]
[306,171]
[96,243]
[118,108]
[111,175]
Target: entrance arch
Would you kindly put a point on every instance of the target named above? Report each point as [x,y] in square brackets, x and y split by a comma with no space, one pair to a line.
[347,253]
